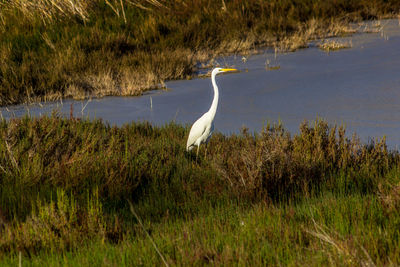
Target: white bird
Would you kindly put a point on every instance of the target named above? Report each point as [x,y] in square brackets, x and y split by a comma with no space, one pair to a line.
[202,129]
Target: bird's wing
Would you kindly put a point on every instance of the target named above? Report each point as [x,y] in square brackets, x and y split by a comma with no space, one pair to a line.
[197,130]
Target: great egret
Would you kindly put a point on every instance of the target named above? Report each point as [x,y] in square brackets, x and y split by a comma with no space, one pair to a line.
[202,129]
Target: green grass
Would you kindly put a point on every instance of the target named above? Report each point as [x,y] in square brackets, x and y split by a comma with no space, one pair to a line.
[53,49]
[330,230]
[316,198]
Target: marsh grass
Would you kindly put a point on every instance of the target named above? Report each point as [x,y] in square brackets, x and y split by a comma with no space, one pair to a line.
[56,48]
[314,198]
[48,11]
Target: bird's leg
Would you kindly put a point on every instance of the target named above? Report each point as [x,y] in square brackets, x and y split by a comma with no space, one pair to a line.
[205,152]
[197,154]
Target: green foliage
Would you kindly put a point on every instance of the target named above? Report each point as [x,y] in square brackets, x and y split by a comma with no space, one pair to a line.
[265,198]
[59,225]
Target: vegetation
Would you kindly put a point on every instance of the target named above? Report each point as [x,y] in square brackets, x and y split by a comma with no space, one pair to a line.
[333,45]
[78,192]
[56,48]
[75,192]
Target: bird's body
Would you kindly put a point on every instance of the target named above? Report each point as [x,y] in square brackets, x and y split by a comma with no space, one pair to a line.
[202,129]
[200,132]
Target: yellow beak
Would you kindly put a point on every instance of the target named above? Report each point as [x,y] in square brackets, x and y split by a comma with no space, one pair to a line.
[224,70]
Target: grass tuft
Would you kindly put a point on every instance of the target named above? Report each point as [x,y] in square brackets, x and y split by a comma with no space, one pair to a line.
[333,45]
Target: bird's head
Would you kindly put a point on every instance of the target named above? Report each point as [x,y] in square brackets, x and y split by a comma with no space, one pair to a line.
[221,70]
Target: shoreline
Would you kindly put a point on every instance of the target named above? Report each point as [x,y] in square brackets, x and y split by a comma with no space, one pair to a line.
[108,54]
[289,44]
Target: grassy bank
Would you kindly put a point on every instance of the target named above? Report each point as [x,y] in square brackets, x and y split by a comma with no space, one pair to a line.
[269,198]
[54,49]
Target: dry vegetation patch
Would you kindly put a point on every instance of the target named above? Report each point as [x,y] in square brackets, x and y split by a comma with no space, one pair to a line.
[389,195]
[333,45]
[274,162]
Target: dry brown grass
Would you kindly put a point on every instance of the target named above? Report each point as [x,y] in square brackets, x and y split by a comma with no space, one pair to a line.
[49,10]
[389,196]
[333,45]
[273,159]
[348,250]
[312,30]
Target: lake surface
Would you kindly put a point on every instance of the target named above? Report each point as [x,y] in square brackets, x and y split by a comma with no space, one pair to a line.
[358,87]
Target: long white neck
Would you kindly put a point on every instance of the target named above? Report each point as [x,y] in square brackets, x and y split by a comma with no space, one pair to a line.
[214,105]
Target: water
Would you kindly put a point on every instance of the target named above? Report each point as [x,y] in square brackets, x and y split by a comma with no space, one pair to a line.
[358,87]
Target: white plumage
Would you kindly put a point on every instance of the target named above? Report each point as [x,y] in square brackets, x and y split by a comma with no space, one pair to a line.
[202,128]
